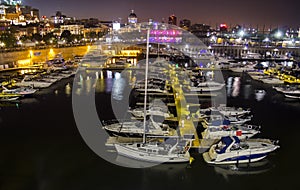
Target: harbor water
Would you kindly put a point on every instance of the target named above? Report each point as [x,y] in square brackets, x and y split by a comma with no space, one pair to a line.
[41,147]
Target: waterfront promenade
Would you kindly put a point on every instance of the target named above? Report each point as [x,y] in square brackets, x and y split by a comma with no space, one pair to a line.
[28,57]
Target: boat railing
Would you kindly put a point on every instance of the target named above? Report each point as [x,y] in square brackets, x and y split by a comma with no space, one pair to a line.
[254,127]
[113,121]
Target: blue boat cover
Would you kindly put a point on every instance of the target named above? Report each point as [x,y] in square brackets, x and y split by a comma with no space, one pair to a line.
[227,141]
[220,122]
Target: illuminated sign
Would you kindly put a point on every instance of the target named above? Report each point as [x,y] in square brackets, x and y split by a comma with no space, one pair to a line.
[223,26]
[165,36]
[166,32]
[165,39]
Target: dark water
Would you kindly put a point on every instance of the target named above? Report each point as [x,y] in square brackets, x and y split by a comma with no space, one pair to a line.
[41,147]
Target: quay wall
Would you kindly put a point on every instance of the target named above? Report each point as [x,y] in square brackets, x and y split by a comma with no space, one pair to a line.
[11,59]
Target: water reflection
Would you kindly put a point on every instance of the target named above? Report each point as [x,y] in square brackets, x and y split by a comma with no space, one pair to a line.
[247,91]
[236,87]
[15,104]
[108,85]
[102,81]
[236,84]
[243,169]
[229,86]
[100,87]
[68,89]
[233,86]
[260,94]
[118,88]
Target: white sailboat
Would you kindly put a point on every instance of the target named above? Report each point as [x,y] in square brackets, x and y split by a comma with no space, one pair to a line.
[166,152]
[153,110]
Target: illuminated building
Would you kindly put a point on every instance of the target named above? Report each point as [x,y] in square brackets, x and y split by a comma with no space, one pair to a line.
[132,18]
[19,15]
[59,18]
[172,20]
[74,29]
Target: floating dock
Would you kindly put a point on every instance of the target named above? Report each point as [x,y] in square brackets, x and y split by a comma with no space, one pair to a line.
[186,124]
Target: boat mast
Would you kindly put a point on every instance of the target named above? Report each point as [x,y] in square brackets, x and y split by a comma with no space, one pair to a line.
[146,84]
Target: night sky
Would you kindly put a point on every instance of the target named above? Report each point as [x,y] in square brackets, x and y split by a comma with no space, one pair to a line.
[249,13]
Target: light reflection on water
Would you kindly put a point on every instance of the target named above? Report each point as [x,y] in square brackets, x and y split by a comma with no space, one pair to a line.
[41,157]
[118,89]
[243,169]
[237,88]
[247,91]
[102,81]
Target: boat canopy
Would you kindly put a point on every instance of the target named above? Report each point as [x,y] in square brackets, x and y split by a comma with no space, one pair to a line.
[226,142]
[220,122]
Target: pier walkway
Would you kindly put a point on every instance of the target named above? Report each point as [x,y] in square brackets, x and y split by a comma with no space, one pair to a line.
[186,124]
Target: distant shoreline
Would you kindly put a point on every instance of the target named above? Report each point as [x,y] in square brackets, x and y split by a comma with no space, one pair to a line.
[27,57]
[18,49]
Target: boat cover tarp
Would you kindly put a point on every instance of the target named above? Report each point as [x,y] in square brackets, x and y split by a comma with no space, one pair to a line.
[227,141]
[220,122]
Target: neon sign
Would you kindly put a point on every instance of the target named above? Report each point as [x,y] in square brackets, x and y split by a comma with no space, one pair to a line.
[165,36]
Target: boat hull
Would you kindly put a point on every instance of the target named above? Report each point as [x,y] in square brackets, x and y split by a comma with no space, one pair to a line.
[149,157]
[237,159]
[130,134]
[206,89]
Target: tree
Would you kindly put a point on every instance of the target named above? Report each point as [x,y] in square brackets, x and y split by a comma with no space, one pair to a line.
[36,37]
[49,38]
[66,35]
[91,35]
[8,39]
[24,38]
[77,37]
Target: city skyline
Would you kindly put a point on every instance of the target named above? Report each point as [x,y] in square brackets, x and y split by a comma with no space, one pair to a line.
[269,13]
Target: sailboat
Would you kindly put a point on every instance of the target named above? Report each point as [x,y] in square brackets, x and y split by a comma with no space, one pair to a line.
[169,151]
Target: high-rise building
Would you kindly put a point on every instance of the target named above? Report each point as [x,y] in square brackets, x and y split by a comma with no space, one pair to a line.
[132,18]
[172,20]
[185,24]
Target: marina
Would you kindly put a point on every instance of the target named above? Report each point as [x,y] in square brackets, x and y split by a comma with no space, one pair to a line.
[88,104]
[272,127]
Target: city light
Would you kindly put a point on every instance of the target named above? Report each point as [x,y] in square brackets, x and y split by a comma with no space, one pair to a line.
[241,33]
[30,53]
[278,34]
